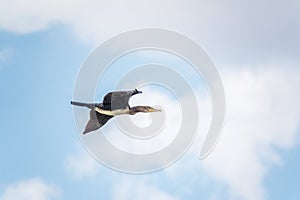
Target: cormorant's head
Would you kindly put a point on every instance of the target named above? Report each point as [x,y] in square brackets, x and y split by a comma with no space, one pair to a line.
[145,109]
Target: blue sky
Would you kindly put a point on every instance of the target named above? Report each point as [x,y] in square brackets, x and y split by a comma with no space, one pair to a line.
[253,45]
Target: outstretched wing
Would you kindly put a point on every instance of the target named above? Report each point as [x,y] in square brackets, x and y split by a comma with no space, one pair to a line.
[96,121]
[118,100]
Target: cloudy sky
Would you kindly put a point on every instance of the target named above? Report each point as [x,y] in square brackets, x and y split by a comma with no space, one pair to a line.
[255,47]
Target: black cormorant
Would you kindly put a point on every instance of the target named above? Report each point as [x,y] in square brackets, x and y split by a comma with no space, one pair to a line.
[114,103]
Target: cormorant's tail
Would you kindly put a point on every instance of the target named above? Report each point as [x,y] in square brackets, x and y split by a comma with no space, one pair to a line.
[88,105]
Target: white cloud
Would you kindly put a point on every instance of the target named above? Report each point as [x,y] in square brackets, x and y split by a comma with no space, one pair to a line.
[90,19]
[81,165]
[127,189]
[33,189]
[261,27]
[262,119]
[30,16]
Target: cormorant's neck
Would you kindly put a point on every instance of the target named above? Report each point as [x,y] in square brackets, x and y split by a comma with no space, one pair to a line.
[136,109]
[131,111]
[112,112]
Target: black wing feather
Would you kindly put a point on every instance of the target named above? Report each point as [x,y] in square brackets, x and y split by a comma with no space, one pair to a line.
[118,100]
[96,121]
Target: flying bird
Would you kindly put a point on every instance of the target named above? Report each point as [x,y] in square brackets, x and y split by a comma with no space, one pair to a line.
[114,103]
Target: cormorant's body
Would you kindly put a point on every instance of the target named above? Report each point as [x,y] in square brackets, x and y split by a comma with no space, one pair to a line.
[114,103]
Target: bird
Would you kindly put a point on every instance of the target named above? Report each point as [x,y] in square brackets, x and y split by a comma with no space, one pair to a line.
[114,104]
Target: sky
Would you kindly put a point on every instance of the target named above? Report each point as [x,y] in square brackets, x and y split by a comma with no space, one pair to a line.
[254,46]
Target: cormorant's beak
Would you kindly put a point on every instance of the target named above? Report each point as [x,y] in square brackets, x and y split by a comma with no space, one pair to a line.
[154,110]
